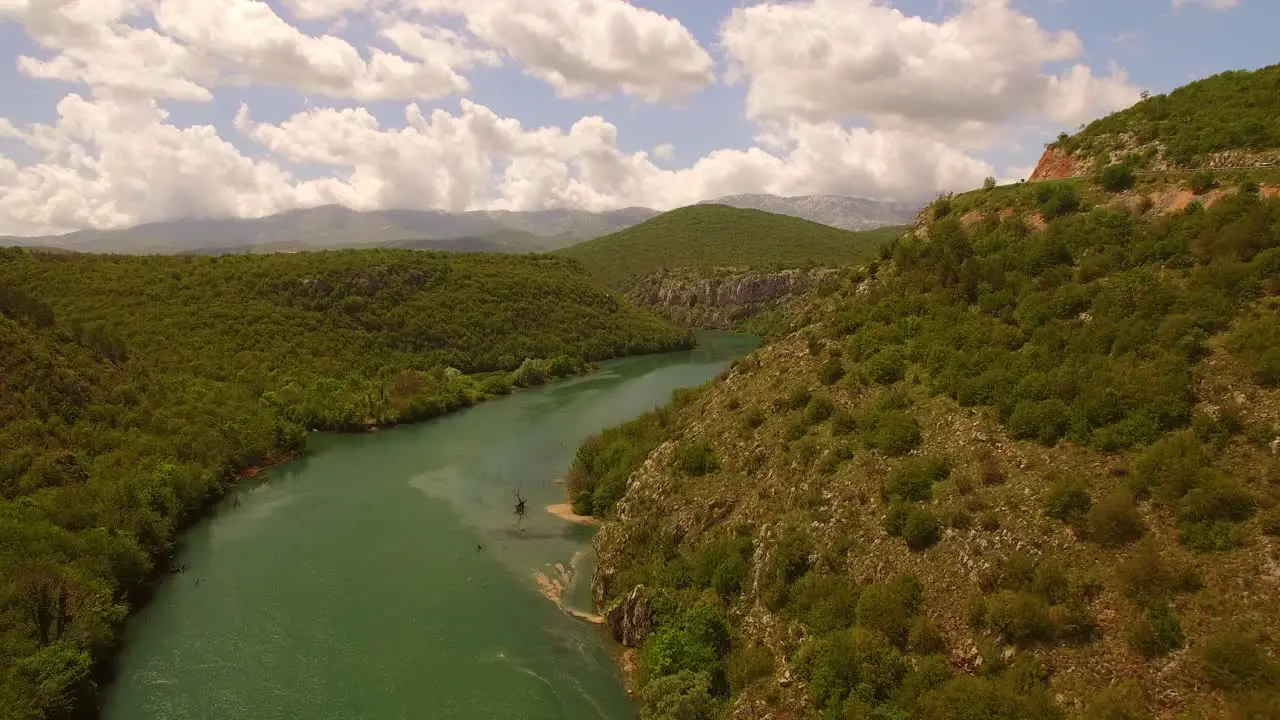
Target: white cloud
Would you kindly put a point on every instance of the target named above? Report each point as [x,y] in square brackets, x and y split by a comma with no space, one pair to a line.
[109,163]
[839,59]
[929,93]
[198,44]
[589,47]
[1212,4]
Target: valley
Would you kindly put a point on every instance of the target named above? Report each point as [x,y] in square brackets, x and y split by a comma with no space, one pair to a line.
[1014,455]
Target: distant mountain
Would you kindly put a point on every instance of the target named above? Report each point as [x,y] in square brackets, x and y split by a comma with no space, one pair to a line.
[848,213]
[333,226]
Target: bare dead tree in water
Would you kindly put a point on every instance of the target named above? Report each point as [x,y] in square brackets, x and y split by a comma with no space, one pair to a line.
[521,509]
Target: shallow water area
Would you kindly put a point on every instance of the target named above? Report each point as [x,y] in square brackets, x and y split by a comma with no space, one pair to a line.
[386,575]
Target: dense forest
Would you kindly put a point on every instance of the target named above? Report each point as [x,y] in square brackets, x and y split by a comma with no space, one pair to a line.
[1005,471]
[701,237]
[133,390]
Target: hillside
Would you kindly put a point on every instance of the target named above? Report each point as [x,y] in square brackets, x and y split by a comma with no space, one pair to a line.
[333,227]
[1230,120]
[709,236]
[1024,466]
[847,213]
[133,390]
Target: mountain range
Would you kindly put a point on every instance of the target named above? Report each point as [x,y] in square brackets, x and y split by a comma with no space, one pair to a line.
[332,226]
[847,213]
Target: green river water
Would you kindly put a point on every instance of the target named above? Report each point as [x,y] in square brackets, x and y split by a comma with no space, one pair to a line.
[349,584]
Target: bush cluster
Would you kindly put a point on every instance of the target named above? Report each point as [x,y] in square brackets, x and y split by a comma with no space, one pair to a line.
[1034,601]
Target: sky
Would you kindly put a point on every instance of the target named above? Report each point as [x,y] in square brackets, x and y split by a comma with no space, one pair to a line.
[120,112]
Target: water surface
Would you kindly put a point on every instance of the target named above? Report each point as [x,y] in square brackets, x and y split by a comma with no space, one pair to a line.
[384,575]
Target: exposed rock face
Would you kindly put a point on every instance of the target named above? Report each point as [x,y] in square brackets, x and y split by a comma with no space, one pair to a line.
[724,297]
[632,619]
[1055,164]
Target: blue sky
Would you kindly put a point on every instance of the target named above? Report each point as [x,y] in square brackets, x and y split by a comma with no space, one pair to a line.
[134,149]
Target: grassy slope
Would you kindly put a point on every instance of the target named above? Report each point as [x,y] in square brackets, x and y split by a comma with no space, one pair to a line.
[132,389]
[1236,110]
[706,236]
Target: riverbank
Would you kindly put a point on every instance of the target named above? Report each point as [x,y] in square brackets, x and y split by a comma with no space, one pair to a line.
[565,512]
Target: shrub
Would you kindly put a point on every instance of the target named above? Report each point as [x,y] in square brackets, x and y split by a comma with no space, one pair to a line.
[889,608]
[1067,501]
[992,473]
[1021,618]
[1202,181]
[1045,420]
[892,432]
[1256,342]
[723,565]
[887,366]
[1017,571]
[989,521]
[925,638]
[895,517]
[915,478]
[747,663]
[843,422]
[752,418]
[989,183]
[1147,577]
[1056,199]
[788,562]
[835,664]
[694,643]
[696,458]
[683,696]
[831,371]
[941,208]
[824,602]
[820,408]
[1119,702]
[1271,521]
[957,518]
[1208,513]
[1157,632]
[1114,520]
[921,530]
[986,698]
[798,397]
[1117,177]
[796,429]
[1050,581]
[1234,660]
[497,385]
[1171,467]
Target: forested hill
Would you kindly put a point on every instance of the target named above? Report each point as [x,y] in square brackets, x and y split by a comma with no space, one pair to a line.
[134,389]
[1023,468]
[707,236]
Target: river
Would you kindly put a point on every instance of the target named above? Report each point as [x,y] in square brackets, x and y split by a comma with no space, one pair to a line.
[384,575]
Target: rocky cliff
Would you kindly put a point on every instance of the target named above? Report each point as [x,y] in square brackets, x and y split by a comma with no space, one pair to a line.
[723,298]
